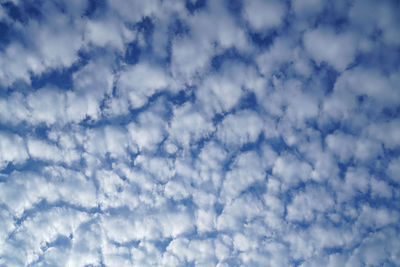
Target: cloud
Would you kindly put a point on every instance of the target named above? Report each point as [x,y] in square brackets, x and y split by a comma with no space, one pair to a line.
[325,45]
[246,170]
[264,15]
[393,168]
[291,170]
[13,149]
[204,133]
[240,128]
[43,151]
[304,206]
[189,125]
[141,81]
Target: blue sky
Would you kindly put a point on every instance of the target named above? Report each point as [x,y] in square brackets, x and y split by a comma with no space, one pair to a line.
[200,133]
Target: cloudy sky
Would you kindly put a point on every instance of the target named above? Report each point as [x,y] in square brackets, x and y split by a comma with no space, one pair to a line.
[200,133]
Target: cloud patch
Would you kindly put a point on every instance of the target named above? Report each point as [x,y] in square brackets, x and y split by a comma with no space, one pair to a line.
[199,133]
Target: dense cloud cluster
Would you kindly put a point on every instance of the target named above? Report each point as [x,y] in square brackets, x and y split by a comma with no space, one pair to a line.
[200,133]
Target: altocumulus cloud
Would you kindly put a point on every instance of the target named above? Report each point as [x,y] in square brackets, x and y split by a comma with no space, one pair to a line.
[200,133]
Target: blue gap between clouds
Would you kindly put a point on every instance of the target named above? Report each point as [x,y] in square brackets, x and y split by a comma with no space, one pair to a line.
[263,40]
[95,8]
[193,6]
[231,54]
[235,7]
[132,53]
[59,77]
[171,99]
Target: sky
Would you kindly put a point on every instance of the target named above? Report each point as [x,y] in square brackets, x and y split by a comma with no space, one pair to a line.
[200,133]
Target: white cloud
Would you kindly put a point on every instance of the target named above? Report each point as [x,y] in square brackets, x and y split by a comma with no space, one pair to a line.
[366,82]
[148,132]
[210,161]
[247,169]
[68,185]
[241,242]
[291,170]
[13,109]
[369,16]
[216,24]
[387,133]
[307,205]
[193,250]
[259,133]
[44,228]
[394,169]
[205,220]
[356,182]
[239,211]
[141,81]
[301,104]
[47,106]
[279,53]
[341,145]
[225,88]
[133,11]
[85,249]
[51,43]
[367,149]
[116,256]
[189,125]
[43,151]
[91,84]
[50,105]
[240,128]
[114,192]
[375,249]
[161,168]
[211,31]
[12,149]
[189,57]
[325,45]
[380,189]
[45,49]
[264,15]
[176,190]
[107,32]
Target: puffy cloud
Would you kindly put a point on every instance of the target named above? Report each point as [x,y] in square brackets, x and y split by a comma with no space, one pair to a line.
[189,125]
[47,106]
[341,145]
[148,132]
[13,109]
[264,15]
[247,169]
[141,81]
[386,132]
[291,170]
[12,149]
[240,128]
[393,169]
[46,41]
[325,45]
[110,140]
[304,206]
[43,151]
[369,16]
[104,33]
[212,30]
[204,133]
